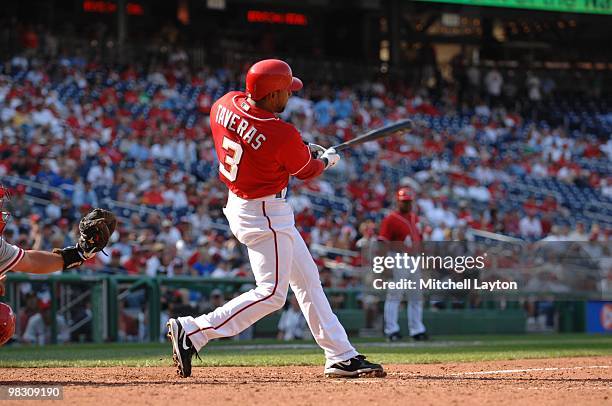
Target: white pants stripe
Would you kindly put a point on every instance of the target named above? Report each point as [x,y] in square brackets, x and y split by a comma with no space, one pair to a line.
[279,257]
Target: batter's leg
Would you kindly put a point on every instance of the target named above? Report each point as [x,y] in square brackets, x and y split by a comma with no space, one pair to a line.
[271,259]
[324,325]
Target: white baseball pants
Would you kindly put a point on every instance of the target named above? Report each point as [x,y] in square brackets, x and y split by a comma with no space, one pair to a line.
[279,258]
[414,305]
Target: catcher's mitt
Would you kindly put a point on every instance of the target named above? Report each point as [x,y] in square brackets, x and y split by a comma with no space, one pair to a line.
[95,230]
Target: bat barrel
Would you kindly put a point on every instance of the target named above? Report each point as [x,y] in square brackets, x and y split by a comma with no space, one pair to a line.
[376,134]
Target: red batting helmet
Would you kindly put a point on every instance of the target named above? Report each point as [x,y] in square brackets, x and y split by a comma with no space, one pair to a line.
[405,193]
[268,76]
[7,323]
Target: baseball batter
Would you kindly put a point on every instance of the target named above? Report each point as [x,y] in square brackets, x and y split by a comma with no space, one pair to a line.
[95,230]
[403,225]
[258,153]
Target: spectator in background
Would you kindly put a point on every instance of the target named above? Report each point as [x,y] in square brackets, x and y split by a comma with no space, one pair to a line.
[215,300]
[26,312]
[154,261]
[29,41]
[343,106]
[222,271]
[201,262]
[327,278]
[38,329]
[292,324]
[579,233]
[84,195]
[169,234]
[606,187]
[137,263]
[530,226]
[548,86]
[511,223]
[175,197]
[53,211]
[50,44]
[114,266]
[494,82]
[533,87]
[323,110]
[101,174]
[298,201]
[45,237]
[510,89]
[556,234]
[18,205]
[200,220]
[473,75]
[131,323]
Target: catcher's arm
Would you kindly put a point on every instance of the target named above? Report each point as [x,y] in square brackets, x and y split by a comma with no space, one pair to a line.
[95,230]
[34,261]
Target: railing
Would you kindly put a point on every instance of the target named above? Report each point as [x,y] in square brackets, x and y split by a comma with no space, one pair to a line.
[487,235]
[105,292]
[323,250]
[94,283]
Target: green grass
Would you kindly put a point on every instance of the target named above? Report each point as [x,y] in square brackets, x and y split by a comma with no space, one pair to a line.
[258,353]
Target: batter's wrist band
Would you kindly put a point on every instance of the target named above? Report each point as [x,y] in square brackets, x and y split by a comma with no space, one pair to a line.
[325,161]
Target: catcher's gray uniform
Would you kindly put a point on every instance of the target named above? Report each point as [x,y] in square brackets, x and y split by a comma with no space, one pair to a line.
[10,255]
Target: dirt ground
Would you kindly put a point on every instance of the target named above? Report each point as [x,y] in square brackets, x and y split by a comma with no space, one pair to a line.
[563,381]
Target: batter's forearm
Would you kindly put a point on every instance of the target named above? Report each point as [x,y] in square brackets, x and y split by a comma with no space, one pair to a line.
[39,262]
[314,168]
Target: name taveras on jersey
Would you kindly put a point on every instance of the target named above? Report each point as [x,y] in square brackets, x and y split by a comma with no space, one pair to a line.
[240,126]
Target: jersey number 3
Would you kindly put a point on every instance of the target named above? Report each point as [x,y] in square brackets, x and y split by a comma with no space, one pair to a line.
[231,161]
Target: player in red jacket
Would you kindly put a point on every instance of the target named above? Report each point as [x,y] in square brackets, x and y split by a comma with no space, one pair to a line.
[403,225]
[258,153]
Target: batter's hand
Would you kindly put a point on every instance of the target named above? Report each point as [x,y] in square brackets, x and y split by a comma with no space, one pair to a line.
[330,157]
[315,150]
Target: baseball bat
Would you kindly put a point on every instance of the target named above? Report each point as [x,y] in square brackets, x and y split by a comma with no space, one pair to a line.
[381,132]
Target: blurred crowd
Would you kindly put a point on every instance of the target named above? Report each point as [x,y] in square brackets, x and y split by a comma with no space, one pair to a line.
[139,137]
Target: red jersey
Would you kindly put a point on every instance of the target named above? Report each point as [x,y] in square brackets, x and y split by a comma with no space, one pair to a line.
[257,151]
[401,227]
